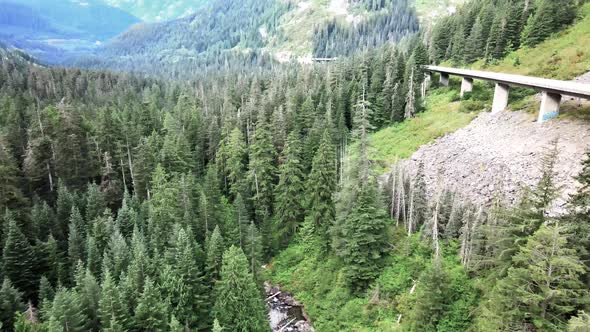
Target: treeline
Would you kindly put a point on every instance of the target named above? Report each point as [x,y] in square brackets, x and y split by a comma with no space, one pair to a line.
[386,23]
[137,204]
[486,29]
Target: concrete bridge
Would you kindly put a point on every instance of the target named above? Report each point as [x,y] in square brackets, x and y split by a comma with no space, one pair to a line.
[552,90]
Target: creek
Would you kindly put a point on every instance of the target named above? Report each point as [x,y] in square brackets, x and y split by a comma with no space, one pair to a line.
[284,312]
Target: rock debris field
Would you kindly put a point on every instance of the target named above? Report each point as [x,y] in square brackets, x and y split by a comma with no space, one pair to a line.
[502,152]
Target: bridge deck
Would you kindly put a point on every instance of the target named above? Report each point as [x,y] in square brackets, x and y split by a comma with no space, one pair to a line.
[574,89]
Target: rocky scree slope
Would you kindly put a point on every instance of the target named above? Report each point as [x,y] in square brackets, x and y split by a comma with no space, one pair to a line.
[501,153]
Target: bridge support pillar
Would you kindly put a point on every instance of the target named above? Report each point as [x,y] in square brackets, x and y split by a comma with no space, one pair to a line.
[466,85]
[444,79]
[549,106]
[500,98]
[429,76]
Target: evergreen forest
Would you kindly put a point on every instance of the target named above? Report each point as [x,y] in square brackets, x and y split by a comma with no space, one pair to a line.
[136,196]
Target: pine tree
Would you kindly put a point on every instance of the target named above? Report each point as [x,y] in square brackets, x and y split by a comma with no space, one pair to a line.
[65,203]
[151,312]
[117,253]
[432,297]
[238,305]
[75,247]
[289,191]
[10,193]
[419,212]
[475,44]
[215,248]
[112,311]
[321,187]
[164,210]
[88,291]
[549,17]
[262,171]
[19,261]
[542,288]
[236,162]
[241,218]
[547,190]
[44,218]
[66,313]
[10,304]
[184,286]
[364,233]
[253,249]
[95,202]
[126,216]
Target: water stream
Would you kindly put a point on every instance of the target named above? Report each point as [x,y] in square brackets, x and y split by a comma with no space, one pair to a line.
[284,312]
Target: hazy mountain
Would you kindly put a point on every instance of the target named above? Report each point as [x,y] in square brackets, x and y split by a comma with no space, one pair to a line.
[51,30]
[156,10]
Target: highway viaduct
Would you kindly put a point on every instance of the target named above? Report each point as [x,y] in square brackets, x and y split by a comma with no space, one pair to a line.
[552,90]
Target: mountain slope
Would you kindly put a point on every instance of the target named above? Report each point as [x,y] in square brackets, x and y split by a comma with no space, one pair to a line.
[50,30]
[155,10]
[283,30]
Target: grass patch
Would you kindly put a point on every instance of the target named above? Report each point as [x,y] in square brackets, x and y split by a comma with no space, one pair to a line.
[442,116]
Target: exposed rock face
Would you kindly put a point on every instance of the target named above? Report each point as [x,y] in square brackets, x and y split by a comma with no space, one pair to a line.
[502,152]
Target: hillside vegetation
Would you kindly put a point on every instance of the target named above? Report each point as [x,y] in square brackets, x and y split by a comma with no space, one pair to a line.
[464,295]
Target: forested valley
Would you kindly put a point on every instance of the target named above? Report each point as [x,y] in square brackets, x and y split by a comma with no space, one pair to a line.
[141,203]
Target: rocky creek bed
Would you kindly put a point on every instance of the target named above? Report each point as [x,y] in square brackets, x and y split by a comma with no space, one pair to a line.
[285,313]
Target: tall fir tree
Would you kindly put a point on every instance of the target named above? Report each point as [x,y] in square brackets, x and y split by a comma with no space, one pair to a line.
[289,191]
[151,312]
[11,303]
[321,187]
[19,261]
[238,305]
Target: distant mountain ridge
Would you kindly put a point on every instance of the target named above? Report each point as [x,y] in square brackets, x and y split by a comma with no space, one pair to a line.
[51,30]
[157,10]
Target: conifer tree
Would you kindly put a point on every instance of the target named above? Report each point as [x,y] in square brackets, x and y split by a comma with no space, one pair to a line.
[18,261]
[432,297]
[215,249]
[289,191]
[419,201]
[88,291]
[93,256]
[10,304]
[164,209]
[44,218]
[126,216]
[65,203]
[66,313]
[10,194]
[236,162]
[241,218]
[543,287]
[75,248]
[151,312]
[112,312]
[321,187]
[364,235]
[238,305]
[95,202]
[184,286]
[475,44]
[262,171]
[253,249]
